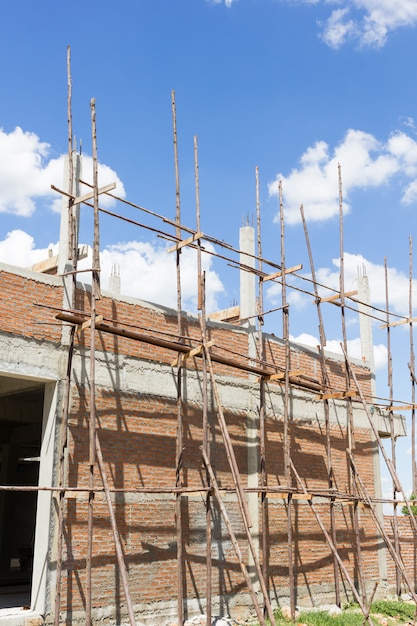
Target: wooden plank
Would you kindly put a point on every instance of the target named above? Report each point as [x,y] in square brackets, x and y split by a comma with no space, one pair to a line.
[394,409]
[90,194]
[191,353]
[46,265]
[341,394]
[186,242]
[336,296]
[289,270]
[87,323]
[281,375]
[409,320]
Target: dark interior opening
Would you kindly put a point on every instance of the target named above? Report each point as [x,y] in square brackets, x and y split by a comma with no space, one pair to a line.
[21,412]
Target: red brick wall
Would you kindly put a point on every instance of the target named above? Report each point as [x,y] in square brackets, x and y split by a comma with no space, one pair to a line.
[138,438]
[408,548]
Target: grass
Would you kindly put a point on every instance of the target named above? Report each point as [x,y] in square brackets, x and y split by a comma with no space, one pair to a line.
[395,612]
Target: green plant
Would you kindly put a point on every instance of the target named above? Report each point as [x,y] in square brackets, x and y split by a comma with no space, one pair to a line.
[397,609]
[413,507]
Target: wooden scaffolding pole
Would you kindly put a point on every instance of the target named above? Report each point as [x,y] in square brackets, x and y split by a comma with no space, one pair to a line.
[179,441]
[389,464]
[236,479]
[95,295]
[392,433]
[233,539]
[326,385]
[201,306]
[412,372]
[67,392]
[262,409]
[397,559]
[413,392]
[333,548]
[287,367]
[350,424]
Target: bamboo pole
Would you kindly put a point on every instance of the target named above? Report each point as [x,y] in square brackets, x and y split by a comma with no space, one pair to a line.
[179,441]
[326,384]
[350,424]
[287,454]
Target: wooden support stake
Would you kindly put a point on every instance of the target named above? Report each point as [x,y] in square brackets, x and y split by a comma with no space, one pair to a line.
[282,375]
[288,270]
[194,352]
[186,242]
[87,323]
[90,194]
[336,395]
[338,296]
[408,320]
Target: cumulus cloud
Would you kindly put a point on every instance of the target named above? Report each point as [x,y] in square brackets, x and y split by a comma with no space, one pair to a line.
[366,163]
[398,281]
[18,248]
[147,271]
[353,347]
[27,172]
[366,22]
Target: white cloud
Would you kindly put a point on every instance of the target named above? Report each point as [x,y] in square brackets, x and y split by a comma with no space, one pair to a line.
[18,248]
[365,162]
[147,271]
[353,347]
[26,174]
[398,281]
[366,22]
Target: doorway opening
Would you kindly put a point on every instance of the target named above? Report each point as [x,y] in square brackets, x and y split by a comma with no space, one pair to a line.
[21,417]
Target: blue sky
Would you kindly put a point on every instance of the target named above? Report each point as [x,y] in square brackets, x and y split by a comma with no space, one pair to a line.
[293,87]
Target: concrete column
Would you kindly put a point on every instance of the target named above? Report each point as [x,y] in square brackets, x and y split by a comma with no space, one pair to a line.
[365,325]
[115,281]
[367,347]
[68,240]
[248,310]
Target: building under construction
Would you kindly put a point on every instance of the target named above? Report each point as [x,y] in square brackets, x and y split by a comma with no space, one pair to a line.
[157,464]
